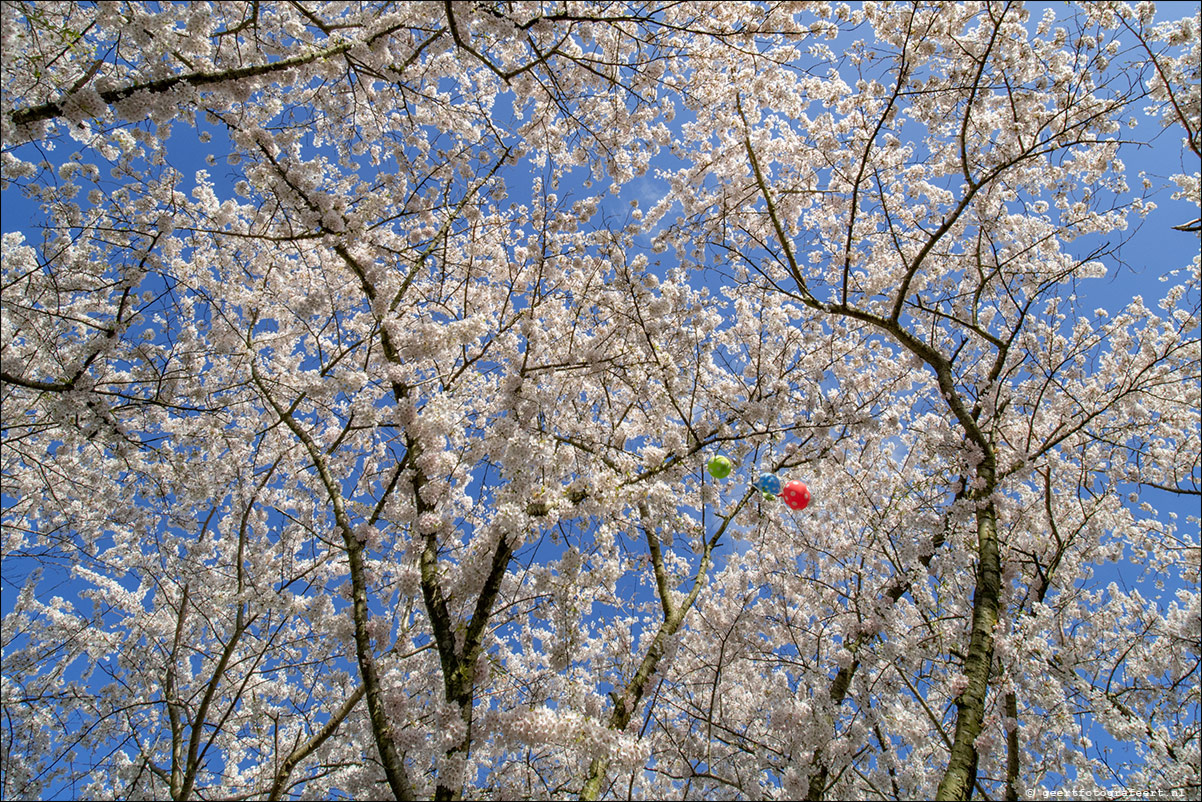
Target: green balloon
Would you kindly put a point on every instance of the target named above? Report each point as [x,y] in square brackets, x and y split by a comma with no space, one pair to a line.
[720,467]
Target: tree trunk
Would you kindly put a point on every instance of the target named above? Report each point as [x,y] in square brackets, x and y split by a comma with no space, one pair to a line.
[961,774]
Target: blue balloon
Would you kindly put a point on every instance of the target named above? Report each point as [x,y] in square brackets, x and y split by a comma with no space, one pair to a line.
[768,484]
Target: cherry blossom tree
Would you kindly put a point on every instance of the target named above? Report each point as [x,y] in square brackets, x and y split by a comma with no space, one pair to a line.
[368,458]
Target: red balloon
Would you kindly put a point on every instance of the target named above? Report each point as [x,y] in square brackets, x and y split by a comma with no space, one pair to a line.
[796,495]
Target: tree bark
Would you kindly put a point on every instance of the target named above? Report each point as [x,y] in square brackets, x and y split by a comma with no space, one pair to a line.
[961,773]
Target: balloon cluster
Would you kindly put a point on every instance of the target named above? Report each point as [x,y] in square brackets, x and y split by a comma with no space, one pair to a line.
[795,493]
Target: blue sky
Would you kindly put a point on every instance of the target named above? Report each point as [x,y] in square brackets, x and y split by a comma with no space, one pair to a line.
[1152,249]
